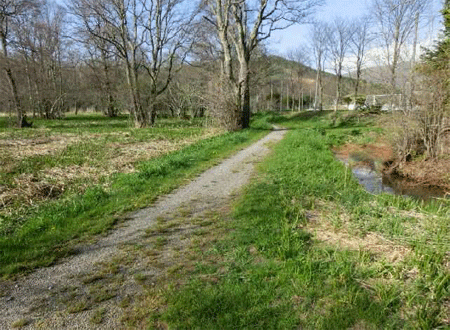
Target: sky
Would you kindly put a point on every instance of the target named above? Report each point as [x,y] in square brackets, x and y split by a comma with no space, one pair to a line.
[290,39]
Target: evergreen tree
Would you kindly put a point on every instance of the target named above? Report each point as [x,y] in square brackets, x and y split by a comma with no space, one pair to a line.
[439,56]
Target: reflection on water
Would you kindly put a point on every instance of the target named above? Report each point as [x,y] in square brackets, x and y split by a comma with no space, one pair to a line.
[371,180]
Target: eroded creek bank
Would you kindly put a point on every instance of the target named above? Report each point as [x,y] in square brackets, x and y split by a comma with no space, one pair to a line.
[371,164]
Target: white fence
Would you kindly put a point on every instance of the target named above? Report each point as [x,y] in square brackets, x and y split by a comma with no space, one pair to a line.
[387,101]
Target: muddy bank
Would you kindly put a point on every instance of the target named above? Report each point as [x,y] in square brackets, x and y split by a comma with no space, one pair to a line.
[423,178]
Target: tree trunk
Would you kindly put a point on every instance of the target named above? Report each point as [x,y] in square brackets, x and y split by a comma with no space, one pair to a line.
[271,96]
[31,100]
[338,92]
[320,93]
[137,112]
[395,58]
[17,106]
[244,95]
[153,114]
[111,109]
[358,77]
[316,92]
[12,81]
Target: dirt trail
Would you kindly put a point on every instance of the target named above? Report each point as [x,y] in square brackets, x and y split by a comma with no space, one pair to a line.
[55,297]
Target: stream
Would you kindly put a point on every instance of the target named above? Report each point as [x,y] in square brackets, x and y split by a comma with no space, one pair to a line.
[377,183]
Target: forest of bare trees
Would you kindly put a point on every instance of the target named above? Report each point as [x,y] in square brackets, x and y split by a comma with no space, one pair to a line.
[185,58]
[122,55]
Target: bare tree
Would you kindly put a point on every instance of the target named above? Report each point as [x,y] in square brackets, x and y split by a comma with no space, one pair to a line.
[116,23]
[396,21]
[168,36]
[300,56]
[40,42]
[185,96]
[241,25]
[10,11]
[339,39]
[149,37]
[361,38]
[320,46]
[102,62]
[426,129]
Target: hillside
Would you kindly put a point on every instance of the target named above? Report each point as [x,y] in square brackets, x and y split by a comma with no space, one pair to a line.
[379,75]
[278,78]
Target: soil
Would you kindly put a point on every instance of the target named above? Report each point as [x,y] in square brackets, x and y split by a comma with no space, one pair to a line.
[377,151]
[97,288]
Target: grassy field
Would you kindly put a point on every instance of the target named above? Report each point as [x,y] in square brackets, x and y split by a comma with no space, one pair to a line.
[306,247]
[65,180]
[64,156]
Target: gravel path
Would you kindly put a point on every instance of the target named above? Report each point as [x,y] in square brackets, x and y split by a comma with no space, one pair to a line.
[40,300]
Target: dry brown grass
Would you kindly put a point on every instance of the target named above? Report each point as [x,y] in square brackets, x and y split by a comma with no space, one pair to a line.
[340,234]
[29,189]
[428,173]
[30,147]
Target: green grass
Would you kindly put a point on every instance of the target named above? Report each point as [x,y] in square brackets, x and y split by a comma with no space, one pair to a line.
[89,122]
[273,273]
[39,236]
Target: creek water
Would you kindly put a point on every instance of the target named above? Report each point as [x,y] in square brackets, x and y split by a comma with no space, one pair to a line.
[371,180]
[376,183]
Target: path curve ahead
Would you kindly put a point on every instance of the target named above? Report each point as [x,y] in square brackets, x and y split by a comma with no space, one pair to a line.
[24,299]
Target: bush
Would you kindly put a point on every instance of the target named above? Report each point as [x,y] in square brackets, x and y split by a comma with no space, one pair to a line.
[359,100]
[420,128]
[221,103]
